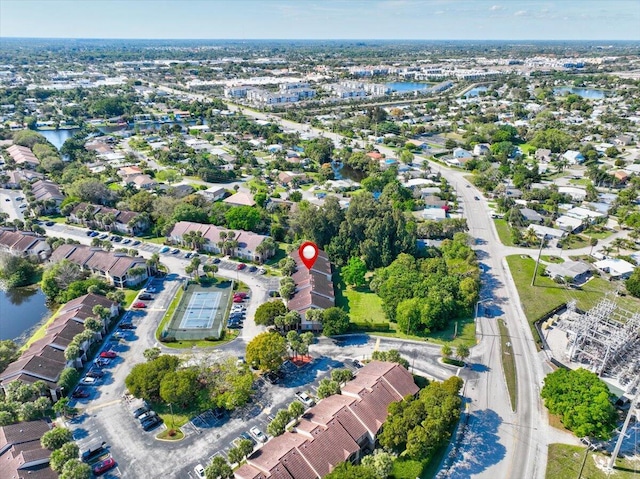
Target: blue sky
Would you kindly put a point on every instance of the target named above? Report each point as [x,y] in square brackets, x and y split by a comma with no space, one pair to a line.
[324,19]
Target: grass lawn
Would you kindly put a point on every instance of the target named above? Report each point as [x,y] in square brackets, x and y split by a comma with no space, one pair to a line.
[508,365]
[362,304]
[580,182]
[130,294]
[159,240]
[169,313]
[179,417]
[552,259]
[41,331]
[575,242]
[178,435]
[564,461]
[55,218]
[546,294]
[227,335]
[281,253]
[504,232]
[597,232]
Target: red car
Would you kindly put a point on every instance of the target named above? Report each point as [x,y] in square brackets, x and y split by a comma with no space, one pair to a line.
[241,266]
[108,354]
[240,294]
[238,299]
[139,304]
[104,466]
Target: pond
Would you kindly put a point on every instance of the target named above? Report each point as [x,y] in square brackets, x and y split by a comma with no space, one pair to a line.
[344,172]
[58,137]
[402,87]
[21,311]
[588,93]
[475,91]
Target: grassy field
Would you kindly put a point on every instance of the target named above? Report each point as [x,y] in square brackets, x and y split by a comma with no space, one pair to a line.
[552,259]
[362,304]
[546,294]
[169,313]
[504,232]
[575,242]
[565,461]
[41,331]
[597,232]
[508,365]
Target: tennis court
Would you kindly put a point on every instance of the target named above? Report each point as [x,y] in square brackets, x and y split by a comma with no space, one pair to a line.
[201,310]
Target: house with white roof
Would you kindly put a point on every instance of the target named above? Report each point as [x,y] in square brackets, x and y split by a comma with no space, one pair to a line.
[616,268]
[573,157]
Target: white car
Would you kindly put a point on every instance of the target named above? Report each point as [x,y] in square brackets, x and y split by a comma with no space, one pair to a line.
[258,434]
[199,470]
[89,380]
[305,399]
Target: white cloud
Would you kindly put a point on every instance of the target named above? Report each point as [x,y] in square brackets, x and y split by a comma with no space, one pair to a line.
[495,8]
[520,13]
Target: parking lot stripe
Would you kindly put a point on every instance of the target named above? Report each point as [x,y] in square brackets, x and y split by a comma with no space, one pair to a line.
[103,405]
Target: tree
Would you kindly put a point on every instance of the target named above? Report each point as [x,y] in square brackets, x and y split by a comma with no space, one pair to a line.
[354,272]
[392,356]
[267,312]
[462,351]
[75,469]
[446,351]
[287,287]
[16,271]
[277,426]
[243,218]
[180,387]
[62,407]
[56,438]
[633,283]
[61,456]
[8,353]
[341,376]
[582,400]
[145,379]
[151,353]
[287,265]
[243,448]
[68,379]
[218,468]
[334,321]
[267,351]
[346,470]
[295,409]
[381,462]
[93,324]
[328,387]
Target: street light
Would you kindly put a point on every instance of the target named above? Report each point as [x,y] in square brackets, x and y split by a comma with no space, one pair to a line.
[475,317]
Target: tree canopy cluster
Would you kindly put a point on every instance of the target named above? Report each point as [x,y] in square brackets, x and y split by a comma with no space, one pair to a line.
[23,402]
[582,400]
[423,295]
[416,427]
[16,271]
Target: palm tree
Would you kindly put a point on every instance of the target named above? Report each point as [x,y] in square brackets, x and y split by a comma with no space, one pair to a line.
[617,244]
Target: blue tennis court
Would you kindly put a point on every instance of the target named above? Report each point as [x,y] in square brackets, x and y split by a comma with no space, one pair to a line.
[201,310]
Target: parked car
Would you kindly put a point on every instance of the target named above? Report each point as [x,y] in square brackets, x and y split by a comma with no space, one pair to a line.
[274,377]
[19,198]
[241,294]
[262,271]
[139,304]
[126,241]
[108,354]
[247,436]
[89,233]
[50,223]
[103,236]
[175,251]
[164,249]
[89,381]
[304,398]
[199,470]
[237,299]
[140,411]
[135,243]
[477,198]
[356,363]
[95,373]
[80,393]
[127,326]
[241,266]
[104,466]
[117,239]
[145,296]
[234,325]
[146,415]
[101,362]
[215,260]
[252,268]
[150,289]
[93,452]
[258,434]
[151,423]
[187,255]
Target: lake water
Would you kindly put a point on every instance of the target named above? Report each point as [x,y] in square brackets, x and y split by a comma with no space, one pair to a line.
[343,172]
[408,86]
[21,310]
[588,93]
[58,137]
[475,91]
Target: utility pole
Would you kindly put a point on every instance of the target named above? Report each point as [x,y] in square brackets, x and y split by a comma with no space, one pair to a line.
[623,431]
[535,271]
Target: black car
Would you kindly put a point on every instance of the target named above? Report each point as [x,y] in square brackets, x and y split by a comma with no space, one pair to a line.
[237,316]
[234,325]
[95,373]
[273,378]
[247,436]
[79,393]
[140,411]
[126,326]
[94,452]
[145,296]
[151,423]
[215,260]
[49,223]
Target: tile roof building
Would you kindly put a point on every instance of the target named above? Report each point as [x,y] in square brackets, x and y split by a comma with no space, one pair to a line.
[48,193]
[339,428]
[25,244]
[21,454]
[23,156]
[247,241]
[314,288]
[116,268]
[93,216]
[240,199]
[44,359]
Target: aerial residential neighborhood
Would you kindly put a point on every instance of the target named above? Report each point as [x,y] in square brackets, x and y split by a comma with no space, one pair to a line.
[363,252]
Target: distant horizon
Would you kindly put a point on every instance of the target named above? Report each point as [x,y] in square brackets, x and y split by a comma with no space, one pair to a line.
[395,20]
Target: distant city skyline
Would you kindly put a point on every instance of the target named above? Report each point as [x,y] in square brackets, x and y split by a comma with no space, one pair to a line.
[323,19]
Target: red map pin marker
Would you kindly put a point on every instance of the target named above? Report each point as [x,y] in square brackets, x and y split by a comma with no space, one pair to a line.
[308,253]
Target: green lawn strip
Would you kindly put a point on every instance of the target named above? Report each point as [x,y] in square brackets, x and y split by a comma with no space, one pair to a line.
[228,335]
[159,240]
[504,232]
[180,416]
[178,435]
[598,233]
[169,313]
[55,218]
[552,259]
[130,295]
[41,331]
[565,461]
[508,364]
[407,469]
[575,242]
[547,295]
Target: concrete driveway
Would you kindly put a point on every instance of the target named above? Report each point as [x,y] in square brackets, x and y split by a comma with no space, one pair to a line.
[9,204]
